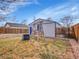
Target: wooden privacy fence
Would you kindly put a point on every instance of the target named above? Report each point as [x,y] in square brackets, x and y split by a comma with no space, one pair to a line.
[12,30]
[76,32]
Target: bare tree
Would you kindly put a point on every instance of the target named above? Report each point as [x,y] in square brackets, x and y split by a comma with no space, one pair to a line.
[67,22]
[24,22]
[2,18]
[8,5]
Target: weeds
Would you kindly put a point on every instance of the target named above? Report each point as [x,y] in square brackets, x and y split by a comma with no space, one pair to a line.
[43,49]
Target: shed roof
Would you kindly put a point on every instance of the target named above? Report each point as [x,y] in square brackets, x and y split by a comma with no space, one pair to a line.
[42,21]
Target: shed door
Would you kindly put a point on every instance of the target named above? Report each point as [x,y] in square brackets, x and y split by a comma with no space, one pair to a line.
[49,30]
[30,30]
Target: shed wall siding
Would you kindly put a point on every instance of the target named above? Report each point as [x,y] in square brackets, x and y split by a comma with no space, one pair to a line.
[49,30]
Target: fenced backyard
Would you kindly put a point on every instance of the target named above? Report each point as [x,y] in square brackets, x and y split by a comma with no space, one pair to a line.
[14,48]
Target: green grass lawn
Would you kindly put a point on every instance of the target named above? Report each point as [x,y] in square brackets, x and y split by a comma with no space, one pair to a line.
[15,48]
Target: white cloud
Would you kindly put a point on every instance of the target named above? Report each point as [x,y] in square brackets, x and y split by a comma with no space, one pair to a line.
[58,11]
[9,6]
[75,10]
[49,12]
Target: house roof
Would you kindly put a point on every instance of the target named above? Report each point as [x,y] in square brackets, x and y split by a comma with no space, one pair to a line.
[16,25]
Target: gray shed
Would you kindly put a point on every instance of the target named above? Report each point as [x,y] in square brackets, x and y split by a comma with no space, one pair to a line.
[47,27]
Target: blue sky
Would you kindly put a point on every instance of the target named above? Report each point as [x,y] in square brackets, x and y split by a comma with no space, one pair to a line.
[55,9]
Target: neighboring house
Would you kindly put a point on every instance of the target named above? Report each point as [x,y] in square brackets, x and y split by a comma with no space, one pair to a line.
[13,28]
[15,25]
[47,27]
